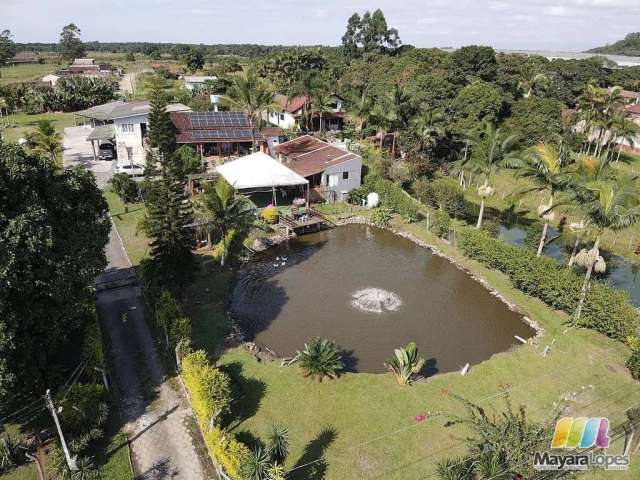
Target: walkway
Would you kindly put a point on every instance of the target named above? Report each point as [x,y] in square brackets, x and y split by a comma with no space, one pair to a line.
[165,441]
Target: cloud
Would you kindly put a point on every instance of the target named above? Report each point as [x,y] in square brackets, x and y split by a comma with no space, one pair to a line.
[556,11]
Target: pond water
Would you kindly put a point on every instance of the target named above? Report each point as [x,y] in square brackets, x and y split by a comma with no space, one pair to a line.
[620,272]
[371,291]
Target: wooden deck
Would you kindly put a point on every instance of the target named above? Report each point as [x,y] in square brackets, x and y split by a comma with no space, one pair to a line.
[310,221]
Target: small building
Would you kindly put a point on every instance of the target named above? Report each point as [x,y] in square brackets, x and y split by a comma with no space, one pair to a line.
[332,172]
[50,79]
[196,82]
[217,135]
[87,67]
[128,127]
[291,111]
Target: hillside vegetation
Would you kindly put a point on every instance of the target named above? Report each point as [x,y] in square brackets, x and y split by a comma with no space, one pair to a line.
[630,45]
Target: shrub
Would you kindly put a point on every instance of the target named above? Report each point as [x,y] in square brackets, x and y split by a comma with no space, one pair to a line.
[226,451]
[210,388]
[11,453]
[321,359]
[381,216]
[171,319]
[392,197]
[441,223]
[633,364]
[357,195]
[606,310]
[125,187]
[442,193]
[270,214]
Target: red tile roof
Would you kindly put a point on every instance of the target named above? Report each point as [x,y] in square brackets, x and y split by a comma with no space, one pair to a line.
[272,132]
[307,155]
[633,109]
[290,105]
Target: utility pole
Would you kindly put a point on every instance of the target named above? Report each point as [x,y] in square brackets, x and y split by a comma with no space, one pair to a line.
[70,461]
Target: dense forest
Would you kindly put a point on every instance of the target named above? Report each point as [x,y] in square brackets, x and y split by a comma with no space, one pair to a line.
[630,45]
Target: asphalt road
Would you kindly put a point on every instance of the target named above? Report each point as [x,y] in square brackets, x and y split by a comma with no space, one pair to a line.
[165,441]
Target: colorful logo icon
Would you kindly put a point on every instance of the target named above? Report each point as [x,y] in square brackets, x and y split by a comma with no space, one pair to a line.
[572,432]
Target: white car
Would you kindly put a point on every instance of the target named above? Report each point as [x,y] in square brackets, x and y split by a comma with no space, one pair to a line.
[131,169]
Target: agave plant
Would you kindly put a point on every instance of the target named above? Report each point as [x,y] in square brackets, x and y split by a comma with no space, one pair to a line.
[407,362]
[279,442]
[320,358]
[276,472]
[256,465]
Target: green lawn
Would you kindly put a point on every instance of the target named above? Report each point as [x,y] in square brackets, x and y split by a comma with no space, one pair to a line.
[127,218]
[25,73]
[20,123]
[364,424]
[25,472]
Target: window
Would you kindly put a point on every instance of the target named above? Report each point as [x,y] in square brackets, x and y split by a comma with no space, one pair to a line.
[282,117]
[345,175]
[127,127]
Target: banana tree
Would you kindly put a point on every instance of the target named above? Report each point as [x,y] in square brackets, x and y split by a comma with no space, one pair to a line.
[406,362]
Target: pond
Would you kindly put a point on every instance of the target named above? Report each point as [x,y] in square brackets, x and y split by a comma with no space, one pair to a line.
[371,291]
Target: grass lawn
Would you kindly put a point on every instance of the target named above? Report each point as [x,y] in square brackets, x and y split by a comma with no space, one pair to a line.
[25,472]
[364,424]
[25,73]
[21,123]
[126,218]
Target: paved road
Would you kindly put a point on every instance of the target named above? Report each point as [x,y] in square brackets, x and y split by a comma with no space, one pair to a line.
[77,151]
[164,439]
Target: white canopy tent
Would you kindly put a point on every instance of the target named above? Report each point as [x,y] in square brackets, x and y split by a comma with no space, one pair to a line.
[259,170]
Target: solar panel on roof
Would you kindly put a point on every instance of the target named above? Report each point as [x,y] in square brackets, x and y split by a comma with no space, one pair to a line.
[221,134]
[218,119]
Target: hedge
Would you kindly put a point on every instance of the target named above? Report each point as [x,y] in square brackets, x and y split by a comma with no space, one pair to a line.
[606,310]
[226,451]
[391,196]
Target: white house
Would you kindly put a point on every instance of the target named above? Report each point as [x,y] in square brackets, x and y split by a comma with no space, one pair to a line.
[290,111]
[194,82]
[332,172]
[51,79]
[130,127]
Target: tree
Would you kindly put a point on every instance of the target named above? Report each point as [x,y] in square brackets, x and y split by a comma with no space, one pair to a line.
[46,141]
[194,59]
[474,62]
[320,358]
[168,217]
[322,102]
[288,67]
[252,95]
[490,151]
[223,217]
[474,106]
[53,231]
[407,362]
[537,120]
[546,166]
[7,47]
[70,44]
[369,33]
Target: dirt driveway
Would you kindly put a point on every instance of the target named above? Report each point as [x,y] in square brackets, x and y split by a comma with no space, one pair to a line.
[78,151]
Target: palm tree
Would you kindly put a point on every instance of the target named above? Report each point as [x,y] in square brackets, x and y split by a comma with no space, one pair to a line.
[492,150]
[253,96]
[46,141]
[546,168]
[407,362]
[308,86]
[321,102]
[539,81]
[320,358]
[222,214]
[429,127]
[614,206]
[360,111]
[621,131]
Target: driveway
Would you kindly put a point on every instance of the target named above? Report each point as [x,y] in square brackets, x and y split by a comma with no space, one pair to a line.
[163,434]
[78,151]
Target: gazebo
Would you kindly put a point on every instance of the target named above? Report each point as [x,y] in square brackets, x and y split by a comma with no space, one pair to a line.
[260,172]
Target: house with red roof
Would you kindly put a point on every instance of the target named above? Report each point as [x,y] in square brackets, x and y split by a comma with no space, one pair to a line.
[332,172]
[298,112]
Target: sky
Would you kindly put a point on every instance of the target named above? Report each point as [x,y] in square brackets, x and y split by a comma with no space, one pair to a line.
[570,25]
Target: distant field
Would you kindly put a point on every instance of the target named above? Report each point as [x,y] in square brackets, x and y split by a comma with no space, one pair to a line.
[23,73]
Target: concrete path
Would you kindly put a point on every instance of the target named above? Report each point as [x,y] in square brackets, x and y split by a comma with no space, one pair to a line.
[165,441]
[77,151]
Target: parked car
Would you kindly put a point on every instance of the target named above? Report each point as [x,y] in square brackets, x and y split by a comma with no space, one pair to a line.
[107,151]
[131,169]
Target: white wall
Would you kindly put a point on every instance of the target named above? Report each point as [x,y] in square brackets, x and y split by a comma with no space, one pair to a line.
[130,141]
[281,119]
[354,167]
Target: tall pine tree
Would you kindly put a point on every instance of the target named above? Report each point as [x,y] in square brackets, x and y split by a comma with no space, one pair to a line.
[169,211]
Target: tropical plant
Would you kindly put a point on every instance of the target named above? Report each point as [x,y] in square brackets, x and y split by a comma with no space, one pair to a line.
[276,472]
[256,465]
[381,216]
[252,95]
[360,111]
[633,364]
[455,469]
[46,141]
[320,358]
[321,102]
[11,453]
[278,443]
[429,127]
[223,216]
[492,150]
[407,362]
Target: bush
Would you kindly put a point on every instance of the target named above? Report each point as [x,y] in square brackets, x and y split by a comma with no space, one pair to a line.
[381,216]
[605,310]
[125,187]
[209,387]
[442,193]
[633,364]
[226,451]
[441,223]
[392,197]
[357,195]
[270,214]
[171,319]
